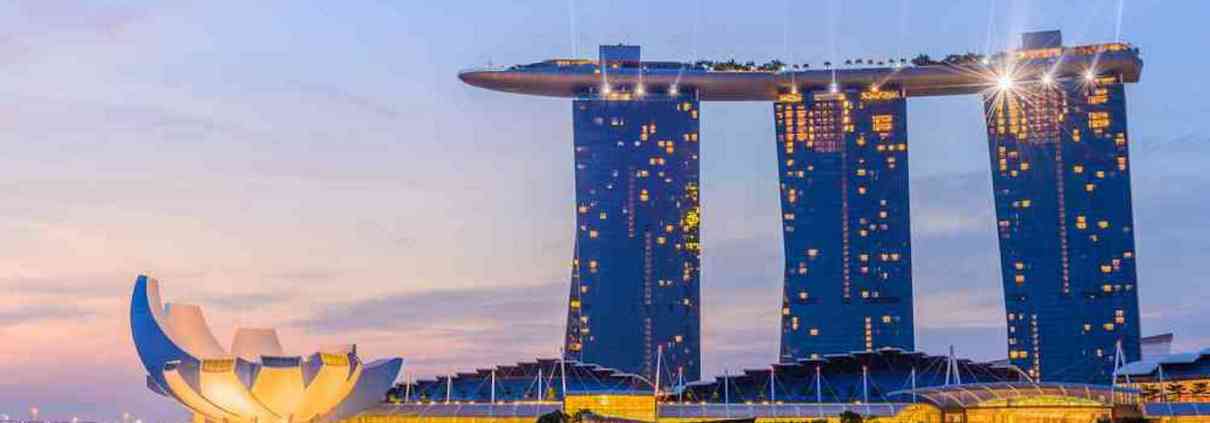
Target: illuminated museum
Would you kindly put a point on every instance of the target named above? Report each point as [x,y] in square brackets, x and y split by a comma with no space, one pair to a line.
[254,380]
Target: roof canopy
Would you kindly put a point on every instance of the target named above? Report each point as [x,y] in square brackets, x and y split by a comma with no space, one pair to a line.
[1009,394]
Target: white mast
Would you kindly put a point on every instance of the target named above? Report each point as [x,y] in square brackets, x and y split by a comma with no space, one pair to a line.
[449,386]
[407,387]
[772,384]
[865,384]
[1119,361]
[913,383]
[493,397]
[540,393]
[563,373]
[951,369]
[680,384]
[726,392]
[659,357]
[818,390]
[1163,389]
[726,388]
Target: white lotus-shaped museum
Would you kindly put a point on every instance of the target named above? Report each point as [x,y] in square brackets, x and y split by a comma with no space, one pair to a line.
[254,381]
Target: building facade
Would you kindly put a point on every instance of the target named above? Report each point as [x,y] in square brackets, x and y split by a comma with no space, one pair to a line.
[842,162]
[1061,179]
[635,277]
[1058,149]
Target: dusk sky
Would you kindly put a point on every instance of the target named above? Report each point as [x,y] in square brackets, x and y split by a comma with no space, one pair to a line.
[319,168]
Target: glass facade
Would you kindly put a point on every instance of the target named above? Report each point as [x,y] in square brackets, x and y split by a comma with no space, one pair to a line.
[635,272]
[842,161]
[1061,179]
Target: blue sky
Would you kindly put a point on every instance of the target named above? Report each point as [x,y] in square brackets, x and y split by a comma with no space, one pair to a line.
[318,167]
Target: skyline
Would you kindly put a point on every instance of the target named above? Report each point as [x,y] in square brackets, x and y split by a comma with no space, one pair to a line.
[190,160]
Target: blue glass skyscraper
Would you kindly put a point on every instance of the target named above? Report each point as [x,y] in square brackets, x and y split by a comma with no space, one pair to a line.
[1060,171]
[635,273]
[844,199]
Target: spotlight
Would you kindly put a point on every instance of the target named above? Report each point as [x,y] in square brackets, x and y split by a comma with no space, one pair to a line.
[1048,80]
[672,90]
[606,89]
[833,88]
[1004,82]
[1090,75]
[639,90]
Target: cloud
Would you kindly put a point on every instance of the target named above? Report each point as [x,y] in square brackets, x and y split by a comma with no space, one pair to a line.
[440,308]
[32,313]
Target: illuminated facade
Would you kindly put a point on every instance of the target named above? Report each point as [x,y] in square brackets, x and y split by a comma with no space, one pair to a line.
[255,381]
[1171,378]
[1061,179]
[1057,135]
[634,289]
[842,160]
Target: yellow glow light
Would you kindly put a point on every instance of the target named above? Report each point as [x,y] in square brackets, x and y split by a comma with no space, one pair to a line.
[606,89]
[639,90]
